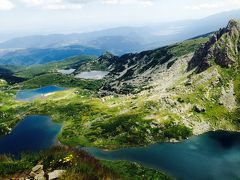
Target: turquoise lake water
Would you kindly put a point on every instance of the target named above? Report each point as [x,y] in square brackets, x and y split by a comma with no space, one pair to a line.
[211,156]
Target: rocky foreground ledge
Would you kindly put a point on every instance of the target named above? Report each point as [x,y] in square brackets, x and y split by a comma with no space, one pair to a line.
[38,173]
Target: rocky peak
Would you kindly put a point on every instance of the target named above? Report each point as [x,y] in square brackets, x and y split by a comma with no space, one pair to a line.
[107,59]
[107,55]
[233,23]
[222,49]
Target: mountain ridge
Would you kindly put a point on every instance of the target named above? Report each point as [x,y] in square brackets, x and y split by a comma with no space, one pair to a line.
[133,39]
[222,49]
[30,57]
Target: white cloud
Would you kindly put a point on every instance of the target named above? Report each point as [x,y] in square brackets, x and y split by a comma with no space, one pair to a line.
[78,4]
[195,5]
[202,6]
[55,4]
[236,3]
[32,2]
[127,2]
[217,5]
[147,3]
[6,5]
[63,5]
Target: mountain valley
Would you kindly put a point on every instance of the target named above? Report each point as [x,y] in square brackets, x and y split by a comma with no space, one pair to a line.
[168,94]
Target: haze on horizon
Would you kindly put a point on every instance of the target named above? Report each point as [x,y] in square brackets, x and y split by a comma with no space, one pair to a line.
[26,17]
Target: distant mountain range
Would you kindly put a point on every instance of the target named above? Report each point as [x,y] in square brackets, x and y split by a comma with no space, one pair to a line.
[42,49]
[34,56]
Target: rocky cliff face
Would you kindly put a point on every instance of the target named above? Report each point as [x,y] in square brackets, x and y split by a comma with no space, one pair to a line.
[133,72]
[222,49]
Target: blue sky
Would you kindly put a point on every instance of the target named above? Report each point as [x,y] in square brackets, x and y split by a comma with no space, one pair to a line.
[67,16]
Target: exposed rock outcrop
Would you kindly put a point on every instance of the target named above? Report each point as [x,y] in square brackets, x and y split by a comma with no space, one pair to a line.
[223,49]
[38,173]
[55,174]
[199,109]
[227,98]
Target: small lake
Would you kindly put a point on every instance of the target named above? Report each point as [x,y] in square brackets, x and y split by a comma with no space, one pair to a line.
[211,156]
[30,94]
[66,71]
[92,75]
[32,134]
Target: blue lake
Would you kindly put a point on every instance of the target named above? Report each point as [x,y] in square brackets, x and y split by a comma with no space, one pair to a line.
[26,95]
[32,134]
[211,156]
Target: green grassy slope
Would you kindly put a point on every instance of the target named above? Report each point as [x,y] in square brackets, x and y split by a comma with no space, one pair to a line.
[34,71]
[175,104]
[78,165]
[60,80]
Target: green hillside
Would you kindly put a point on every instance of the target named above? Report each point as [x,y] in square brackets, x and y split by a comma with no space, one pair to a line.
[74,62]
[164,95]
